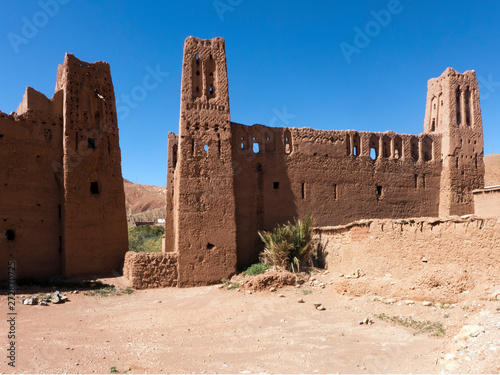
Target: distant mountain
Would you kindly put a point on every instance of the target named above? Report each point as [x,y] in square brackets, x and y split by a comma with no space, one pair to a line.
[144,202]
[492,170]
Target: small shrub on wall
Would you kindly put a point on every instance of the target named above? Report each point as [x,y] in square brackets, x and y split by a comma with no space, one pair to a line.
[145,239]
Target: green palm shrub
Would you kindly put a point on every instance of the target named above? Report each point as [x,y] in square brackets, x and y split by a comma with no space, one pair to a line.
[289,246]
[145,238]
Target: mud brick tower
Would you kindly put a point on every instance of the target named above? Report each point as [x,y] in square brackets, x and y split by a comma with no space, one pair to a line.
[62,203]
[200,222]
[95,230]
[453,110]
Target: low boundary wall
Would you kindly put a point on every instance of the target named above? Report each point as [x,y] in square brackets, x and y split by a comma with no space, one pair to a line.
[150,270]
[404,248]
[409,249]
[487,201]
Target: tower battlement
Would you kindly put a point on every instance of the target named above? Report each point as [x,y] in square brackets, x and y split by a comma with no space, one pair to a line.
[453,110]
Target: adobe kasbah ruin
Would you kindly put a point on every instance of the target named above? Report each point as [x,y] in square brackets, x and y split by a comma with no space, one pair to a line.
[62,198]
[62,203]
[226,181]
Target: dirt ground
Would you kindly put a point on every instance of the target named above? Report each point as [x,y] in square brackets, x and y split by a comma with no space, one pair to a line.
[221,330]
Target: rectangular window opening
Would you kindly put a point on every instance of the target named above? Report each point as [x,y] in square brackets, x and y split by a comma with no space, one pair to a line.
[416,181]
[59,210]
[379,191]
[423,181]
[91,143]
[276,185]
[303,190]
[94,187]
[458,104]
[467,107]
[256,148]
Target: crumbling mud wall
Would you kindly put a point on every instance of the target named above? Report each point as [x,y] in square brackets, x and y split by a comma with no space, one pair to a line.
[409,247]
[487,201]
[226,180]
[150,270]
[62,202]
[31,195]
[282,173]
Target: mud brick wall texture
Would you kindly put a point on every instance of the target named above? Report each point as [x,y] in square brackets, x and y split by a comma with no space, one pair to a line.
[487,201]
[403,248]
[62,202]
[150,270]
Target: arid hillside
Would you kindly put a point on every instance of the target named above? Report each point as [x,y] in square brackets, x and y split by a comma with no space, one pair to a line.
[144,202]
[492,173]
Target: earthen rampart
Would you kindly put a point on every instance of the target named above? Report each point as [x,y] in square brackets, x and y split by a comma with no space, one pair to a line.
[62,202]
[339,176]
[404,248]
[226,181]
[30,194]
[429,250]
[487,201]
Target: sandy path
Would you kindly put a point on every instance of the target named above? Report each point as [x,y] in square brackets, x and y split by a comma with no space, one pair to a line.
[218,331]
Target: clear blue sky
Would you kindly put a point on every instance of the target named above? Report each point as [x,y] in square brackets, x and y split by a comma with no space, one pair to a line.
[284,57]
